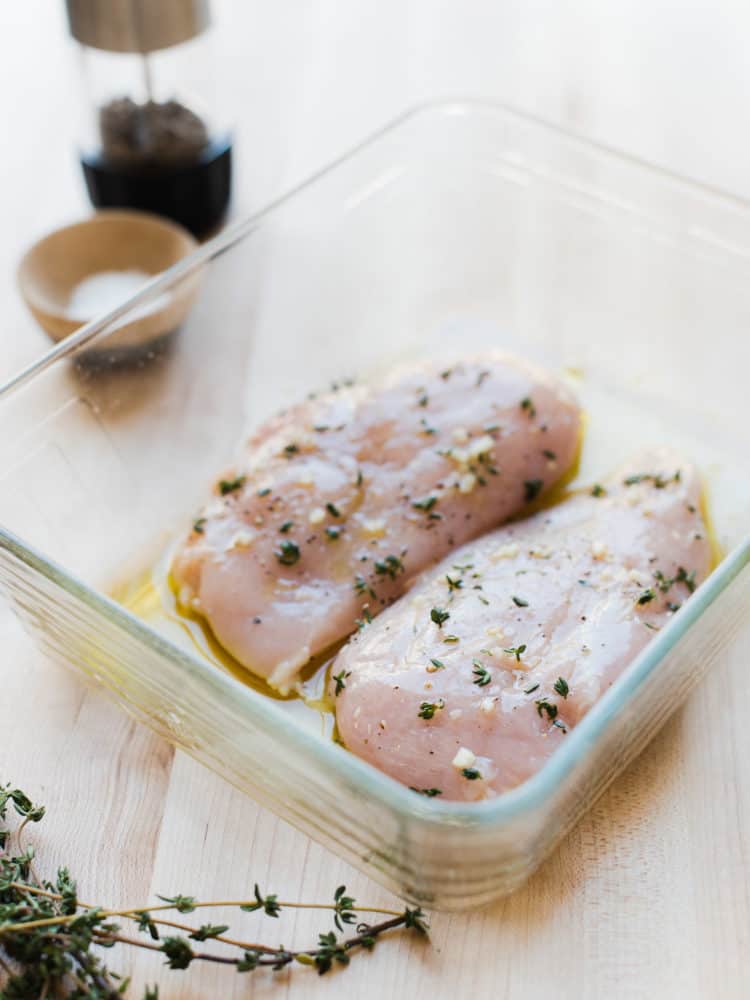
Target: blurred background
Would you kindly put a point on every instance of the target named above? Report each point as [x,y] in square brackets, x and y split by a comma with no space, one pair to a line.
[301,81]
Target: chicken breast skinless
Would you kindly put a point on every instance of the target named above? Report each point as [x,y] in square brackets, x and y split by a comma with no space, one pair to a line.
[467,685]
[335,505]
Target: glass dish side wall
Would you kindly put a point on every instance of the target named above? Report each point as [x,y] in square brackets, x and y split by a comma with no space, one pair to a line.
[444,856]
[459,228]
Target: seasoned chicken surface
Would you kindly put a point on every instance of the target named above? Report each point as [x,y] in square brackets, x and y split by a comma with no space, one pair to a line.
[466,686]
[335,505]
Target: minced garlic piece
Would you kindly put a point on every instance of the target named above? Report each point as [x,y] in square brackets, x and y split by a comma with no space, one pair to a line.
[305,479]
[464,758]
[463,456]
[495,631]
[599,550]
[375,526]
[460,435]
[541,553]
[317,515]
[241,540]
[509,551]
[487,705]
[467,483]
[480,446]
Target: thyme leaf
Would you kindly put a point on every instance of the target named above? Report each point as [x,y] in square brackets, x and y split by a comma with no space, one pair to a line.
[49,938]
[439,616]
[287,553]
[532,489]
[231,485]
[562,687]
[340,680]
[482,676]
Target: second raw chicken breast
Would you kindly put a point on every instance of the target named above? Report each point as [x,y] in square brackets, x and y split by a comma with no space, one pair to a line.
[465,687]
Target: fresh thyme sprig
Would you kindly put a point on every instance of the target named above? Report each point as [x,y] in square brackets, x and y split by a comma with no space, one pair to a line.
[48,935]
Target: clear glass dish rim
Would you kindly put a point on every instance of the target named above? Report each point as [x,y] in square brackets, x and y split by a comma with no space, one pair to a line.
[528,796]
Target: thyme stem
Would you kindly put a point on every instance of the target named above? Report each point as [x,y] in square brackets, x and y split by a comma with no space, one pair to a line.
[137,911]
[274,955]
[48,934]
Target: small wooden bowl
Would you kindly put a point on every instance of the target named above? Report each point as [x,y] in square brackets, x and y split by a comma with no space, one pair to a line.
[117,240]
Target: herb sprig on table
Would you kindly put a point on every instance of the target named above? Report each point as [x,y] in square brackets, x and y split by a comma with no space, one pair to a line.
[49,938]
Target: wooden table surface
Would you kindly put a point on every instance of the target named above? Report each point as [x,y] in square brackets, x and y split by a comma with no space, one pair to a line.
[650,895]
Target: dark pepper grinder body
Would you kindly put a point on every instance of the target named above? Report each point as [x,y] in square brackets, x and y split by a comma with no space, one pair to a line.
[153,138]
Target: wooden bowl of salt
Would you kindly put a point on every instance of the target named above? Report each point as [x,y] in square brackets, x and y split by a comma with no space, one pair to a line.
[82,271]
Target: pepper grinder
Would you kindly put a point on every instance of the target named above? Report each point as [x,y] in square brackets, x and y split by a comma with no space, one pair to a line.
[153,137]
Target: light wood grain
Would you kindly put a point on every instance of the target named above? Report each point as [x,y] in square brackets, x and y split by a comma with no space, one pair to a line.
[650,895]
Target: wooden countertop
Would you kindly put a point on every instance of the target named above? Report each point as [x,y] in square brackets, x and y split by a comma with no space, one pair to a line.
[650,895]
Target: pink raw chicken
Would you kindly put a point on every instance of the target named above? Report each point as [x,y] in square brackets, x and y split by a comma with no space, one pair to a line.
[336,504]
[467,685]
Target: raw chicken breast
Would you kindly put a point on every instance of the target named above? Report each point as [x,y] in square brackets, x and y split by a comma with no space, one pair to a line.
[336,504]
[465,687]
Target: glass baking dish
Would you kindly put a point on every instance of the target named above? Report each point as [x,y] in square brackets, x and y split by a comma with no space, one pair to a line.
[458,226]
